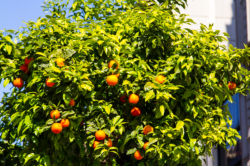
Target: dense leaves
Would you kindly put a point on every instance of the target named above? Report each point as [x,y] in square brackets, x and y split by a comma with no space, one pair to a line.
[72,48]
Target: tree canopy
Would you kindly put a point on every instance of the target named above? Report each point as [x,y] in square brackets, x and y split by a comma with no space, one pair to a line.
[117,83]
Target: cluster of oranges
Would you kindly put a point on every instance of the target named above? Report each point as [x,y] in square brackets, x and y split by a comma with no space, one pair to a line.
[18,82]
[111,80]
[101,136]
[54,114]
[58,127]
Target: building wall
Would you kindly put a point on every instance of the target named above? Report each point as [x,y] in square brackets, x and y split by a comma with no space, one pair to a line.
[220,13]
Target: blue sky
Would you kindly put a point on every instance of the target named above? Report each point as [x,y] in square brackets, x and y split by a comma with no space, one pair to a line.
[13,14]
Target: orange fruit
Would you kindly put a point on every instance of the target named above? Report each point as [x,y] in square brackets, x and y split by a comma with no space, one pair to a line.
[18,82]
[100,135]
[123,98]
[137,155]
[148,129]
[145,145]
[109,143]
[135,111]
[49,83]
[113,62]
[133,98]
[27,60]
[95,144]
[56,128]
[112,80]
[60,62]
[24,68]
[72,102]
[231,85]
[160,79]
[65,123]
[55,114]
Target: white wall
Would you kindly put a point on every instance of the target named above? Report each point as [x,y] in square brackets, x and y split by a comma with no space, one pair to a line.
[221,13]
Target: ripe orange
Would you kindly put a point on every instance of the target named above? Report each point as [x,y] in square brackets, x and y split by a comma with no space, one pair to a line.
[55,114]
[112,62]
[65,123]
[18,82]
[160,79]
[133,98]
[135,111]
[231,85]
[27,60]
[112,80]
[123,98]
[145,145]
[24,68]
[137,155]
[109,143]
[56,128]
[49,83]
[148,129]
[60,62]
[72,102]
[95,144]
[100,135]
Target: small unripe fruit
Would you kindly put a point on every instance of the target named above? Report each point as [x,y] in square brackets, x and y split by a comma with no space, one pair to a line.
[231,85]
[147,129]
[18,82]
[72,102]
[145,145]
[24,68]
[95,144]
[123,98]
[28,60]
[113,63]
[109,143]
[56,128]
[49,83]
[100,135]
[65,123]
[55,114]
[60,62]
[137,155]
[133,99]
[135,111]
[160,79]
[112,80]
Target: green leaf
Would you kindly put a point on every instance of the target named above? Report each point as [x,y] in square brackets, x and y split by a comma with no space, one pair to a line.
[131,151]
[27,121]
[116,119]
[8,48]
[179,125]
[107,108]
[86,87]
[66,98]
[149,95]
[20,125]
[6,82]
[14,116]
[160,112]
[41,54]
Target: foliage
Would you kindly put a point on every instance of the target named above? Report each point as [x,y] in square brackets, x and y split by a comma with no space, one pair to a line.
[146,39]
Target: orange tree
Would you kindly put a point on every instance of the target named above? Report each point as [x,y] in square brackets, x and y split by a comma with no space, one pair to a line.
[117,83]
